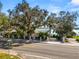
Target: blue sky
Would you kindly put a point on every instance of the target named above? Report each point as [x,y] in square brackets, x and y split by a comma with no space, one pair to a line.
[50,5]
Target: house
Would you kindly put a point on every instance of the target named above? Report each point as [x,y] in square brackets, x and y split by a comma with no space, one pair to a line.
[76,30]
[46,29]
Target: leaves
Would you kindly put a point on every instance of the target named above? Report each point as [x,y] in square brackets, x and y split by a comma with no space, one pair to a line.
[25,20]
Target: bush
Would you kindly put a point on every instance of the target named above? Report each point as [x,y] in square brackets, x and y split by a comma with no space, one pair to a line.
[77,40]
[66,41]
[69,36]
[43,35]
[55,36]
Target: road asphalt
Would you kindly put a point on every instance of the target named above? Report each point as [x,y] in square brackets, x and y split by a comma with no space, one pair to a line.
[48,51]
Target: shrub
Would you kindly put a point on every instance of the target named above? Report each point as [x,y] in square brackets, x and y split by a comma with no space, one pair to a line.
[77,40]
[55,36]
[43,35]
[69,36]
[66,41]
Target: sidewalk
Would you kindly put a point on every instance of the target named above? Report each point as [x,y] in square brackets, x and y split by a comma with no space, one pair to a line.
[59,43]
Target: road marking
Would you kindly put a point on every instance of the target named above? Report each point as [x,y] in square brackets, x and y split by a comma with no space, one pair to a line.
[37,56]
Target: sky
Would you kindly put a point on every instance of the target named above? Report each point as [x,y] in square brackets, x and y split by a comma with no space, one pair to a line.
[51,5]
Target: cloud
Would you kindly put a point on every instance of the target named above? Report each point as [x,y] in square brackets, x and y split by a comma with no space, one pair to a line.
[75,2]
[72,5]
[75,9]
[54,9]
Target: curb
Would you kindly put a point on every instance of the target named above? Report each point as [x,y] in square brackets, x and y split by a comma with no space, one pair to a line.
[59,43]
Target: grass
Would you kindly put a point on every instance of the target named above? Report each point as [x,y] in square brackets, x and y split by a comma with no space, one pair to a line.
[66,41]
[77,38]
[7,56]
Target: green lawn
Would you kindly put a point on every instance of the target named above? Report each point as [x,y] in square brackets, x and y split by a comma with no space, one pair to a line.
[77,38]
[7,56]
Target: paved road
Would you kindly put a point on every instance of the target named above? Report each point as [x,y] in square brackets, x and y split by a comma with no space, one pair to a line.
[49,51]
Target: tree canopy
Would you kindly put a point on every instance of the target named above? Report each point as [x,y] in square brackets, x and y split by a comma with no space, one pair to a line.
[25,20]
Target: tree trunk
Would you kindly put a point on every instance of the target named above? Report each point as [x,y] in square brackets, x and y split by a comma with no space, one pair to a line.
[18,36]
[40,39]
[12,36]
[63,39]
[24,36]
[30,39]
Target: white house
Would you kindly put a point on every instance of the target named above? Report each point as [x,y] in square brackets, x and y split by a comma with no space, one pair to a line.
[46,29]
[76,30]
